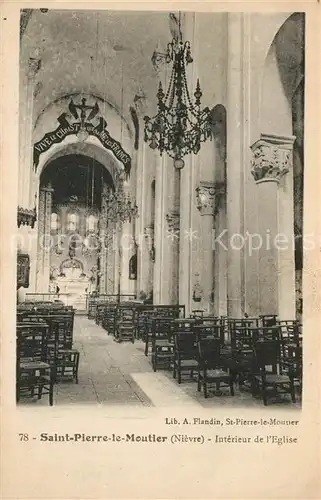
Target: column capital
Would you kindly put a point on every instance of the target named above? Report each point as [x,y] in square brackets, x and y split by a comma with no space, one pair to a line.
[207,194]
[271,157]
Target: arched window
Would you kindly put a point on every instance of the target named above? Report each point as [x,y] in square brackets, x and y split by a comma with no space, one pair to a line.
[72,222]
[133,267]
[54,221]
[91,223]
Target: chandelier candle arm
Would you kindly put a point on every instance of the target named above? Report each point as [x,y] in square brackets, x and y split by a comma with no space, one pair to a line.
[120,207]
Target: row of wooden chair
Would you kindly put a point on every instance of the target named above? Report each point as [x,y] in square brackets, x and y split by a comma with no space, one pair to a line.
[202,346]
[94,301]
[130,321]
[45,352]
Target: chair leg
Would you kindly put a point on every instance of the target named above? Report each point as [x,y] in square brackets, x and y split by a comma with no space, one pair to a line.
[146,346]
[264,395]
[179,374]
[199,381]
[292,391]
[51,394]
[231,387]
[205,389]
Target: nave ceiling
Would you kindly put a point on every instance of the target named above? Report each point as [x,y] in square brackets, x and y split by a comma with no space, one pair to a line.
[93,52]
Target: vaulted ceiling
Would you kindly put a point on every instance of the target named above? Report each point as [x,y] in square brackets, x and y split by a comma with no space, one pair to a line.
[104,53]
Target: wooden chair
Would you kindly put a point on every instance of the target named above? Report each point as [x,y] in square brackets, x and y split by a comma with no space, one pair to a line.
[165,311]
[210,368]
[62,356]
[185,353]
[125,324]
[109,318]
[33,373]
[291,350]
[268,355]
[162,342]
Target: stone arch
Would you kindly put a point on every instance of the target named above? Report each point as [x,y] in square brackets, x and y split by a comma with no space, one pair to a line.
[93,151]
[116,121]
[92,147]
[282,73]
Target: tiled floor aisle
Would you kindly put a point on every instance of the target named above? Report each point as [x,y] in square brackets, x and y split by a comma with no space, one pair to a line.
[112,373]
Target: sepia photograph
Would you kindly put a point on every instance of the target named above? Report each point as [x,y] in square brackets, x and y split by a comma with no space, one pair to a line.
[160,209]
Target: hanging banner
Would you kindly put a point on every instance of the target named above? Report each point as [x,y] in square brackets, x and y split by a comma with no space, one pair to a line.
[82,124]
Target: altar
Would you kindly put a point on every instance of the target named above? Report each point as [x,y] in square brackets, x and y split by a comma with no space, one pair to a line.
[73,282]
[76,289]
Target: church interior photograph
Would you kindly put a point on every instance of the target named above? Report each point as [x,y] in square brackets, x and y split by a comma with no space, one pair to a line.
[160,208]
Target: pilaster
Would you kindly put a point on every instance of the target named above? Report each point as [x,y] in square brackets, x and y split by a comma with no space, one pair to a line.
[26,174]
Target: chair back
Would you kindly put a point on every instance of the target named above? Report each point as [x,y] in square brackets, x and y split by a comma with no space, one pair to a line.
[161,328]
[267,353]
[185,344]
[209,352]
[32,341]
[268,319]
[209,330]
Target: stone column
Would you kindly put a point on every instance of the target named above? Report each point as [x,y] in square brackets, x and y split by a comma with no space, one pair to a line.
[103,238]
[128,249]
[26,181]
[127,286]
[186,233]
[159,227]
[117,258]
[219,245]
[44,239]
[207,202]
[273,173]
[144,225]
[148,251]
[235,159]
[172,239]
[110,260]
[47,247]
[41,233]
[27,188]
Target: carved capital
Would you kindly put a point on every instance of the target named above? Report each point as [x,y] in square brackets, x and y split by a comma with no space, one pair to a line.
[207,197]
[172,219]
[26,217]
[272,158]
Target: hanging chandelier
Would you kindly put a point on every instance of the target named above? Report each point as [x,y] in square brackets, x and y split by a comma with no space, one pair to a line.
[120,207]
[180,126]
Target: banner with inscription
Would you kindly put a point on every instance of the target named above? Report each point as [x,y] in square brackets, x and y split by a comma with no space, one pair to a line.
[84,124]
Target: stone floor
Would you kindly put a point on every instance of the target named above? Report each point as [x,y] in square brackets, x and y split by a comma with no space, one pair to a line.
[120,374]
